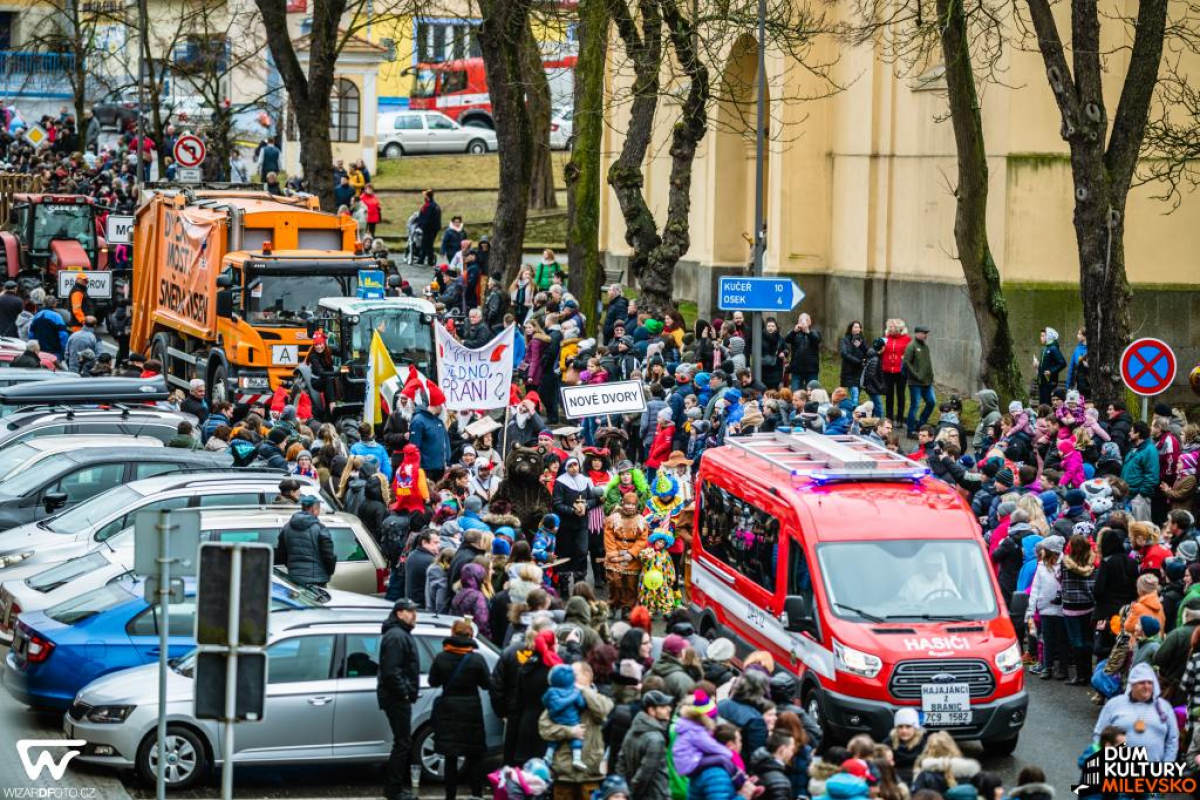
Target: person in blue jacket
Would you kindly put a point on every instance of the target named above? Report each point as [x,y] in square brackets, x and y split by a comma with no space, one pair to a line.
[49,328]
[427,431]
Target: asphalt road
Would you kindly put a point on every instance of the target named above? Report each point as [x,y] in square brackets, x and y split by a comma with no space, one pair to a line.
[1060,723]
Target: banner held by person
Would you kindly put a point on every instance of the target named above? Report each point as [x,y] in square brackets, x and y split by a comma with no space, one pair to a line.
[474,380]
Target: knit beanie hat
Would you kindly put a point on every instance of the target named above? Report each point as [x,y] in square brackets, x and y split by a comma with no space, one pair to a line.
[1150,625]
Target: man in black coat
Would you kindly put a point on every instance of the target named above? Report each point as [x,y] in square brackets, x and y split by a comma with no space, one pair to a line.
[399,685]
[476,333]
[505,684]
[429,220]
[306,546]
[1010,554]
[617,310]
[10,308]
[767,764]
[416,566]
[803,344]
[470,550]
[271,450]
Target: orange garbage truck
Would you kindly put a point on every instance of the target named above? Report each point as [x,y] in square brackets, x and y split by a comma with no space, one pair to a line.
[226,283]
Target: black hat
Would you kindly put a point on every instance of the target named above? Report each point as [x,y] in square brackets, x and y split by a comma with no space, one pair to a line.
[10,284]
[1160,409]
[136,358]
[922,329]
[404,604]
[654,698]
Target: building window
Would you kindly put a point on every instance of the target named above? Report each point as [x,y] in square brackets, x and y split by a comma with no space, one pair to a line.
[343,125]
[740,534]
[438,41]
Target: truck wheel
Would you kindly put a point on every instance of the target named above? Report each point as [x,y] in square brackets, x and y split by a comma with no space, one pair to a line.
[158,351]
[1001,747]
[218,385]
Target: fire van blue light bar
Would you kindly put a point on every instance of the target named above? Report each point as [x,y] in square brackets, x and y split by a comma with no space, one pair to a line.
[822,477]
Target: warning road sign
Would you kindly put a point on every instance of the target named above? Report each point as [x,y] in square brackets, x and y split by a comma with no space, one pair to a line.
[1148,367]
[189,151]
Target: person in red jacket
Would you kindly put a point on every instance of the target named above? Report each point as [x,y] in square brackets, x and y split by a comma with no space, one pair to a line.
[894,380]
[374,210]
[660,447]
[409,486]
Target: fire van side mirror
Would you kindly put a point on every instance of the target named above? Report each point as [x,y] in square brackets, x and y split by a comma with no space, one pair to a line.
[799,615]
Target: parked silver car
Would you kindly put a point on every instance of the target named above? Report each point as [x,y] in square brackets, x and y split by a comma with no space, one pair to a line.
[84,527]
[361,566]
[407,133]
[321,705]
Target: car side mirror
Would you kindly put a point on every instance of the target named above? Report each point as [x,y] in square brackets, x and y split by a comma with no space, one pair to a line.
[53,501]
[225,303]
[799,613]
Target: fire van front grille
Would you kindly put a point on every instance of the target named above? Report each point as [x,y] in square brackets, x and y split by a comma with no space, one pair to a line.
[909,676]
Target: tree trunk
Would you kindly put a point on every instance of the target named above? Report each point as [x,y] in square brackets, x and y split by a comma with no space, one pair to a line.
[585,272]
[998,363]
[503,29]
[625,174]
[311,95]
[541,187]
[1102,173]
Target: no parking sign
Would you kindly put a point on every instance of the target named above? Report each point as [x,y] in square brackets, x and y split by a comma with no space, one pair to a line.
[1148,367]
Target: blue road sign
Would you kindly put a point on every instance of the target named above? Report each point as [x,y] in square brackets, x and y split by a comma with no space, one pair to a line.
[736,293]
[1148,366]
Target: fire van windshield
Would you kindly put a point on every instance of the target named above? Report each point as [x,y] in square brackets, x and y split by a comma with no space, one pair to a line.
[909,579]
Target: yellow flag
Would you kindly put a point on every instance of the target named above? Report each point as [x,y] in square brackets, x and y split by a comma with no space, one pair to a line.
[379,369]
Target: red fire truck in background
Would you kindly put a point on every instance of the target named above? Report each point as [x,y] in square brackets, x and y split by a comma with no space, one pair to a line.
[459,88]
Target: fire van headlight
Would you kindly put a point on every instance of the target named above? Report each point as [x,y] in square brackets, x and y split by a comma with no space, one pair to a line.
[254,382]
[1008,660]
[14,558]
[856,662]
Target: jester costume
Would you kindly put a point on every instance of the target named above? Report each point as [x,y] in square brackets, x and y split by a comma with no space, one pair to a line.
[657,594]
[662,512]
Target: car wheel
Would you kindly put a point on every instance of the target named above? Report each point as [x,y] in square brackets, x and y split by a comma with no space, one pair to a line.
[393,150]
[187,762]
[812,706]
[1000,747]
[477,147]
[433,763]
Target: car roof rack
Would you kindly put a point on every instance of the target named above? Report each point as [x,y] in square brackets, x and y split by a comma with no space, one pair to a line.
[824,459]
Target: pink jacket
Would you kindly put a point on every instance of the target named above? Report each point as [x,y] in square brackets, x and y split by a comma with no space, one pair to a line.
[1072,465]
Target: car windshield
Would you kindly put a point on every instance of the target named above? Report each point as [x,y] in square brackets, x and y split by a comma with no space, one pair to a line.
[911,579]
[299,594]
[35,476]
[90,512]
[13,457]
[62,221]
[292,299]
[66,572]
[89,604]
[408,340]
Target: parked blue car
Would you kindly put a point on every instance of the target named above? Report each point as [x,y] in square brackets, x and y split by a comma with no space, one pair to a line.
[57,652]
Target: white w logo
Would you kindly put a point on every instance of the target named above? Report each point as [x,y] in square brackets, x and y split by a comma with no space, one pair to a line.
[44,760]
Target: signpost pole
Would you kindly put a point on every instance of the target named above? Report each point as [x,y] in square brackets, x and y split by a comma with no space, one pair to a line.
[504,436]
[1145,408]
[756,324]
[231,669]
[164,638]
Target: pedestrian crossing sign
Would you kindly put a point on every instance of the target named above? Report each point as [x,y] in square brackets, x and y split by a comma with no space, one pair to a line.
[36,135]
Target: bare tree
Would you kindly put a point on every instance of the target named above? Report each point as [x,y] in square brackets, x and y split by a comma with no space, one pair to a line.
[969,39]
[1104,158]
[662,37]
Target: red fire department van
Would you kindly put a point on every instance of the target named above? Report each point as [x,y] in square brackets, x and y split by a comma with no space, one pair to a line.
[459,88]
[862,575]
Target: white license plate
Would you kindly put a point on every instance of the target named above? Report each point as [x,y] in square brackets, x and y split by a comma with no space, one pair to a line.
[947,719]
[946,704]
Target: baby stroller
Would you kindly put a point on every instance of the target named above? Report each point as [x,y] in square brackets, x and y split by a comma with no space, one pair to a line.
[415,237]
[529,782]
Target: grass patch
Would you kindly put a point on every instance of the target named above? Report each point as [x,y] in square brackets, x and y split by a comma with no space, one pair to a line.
[441,173]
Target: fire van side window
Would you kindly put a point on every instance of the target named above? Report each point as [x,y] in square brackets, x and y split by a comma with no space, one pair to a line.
[741,535]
